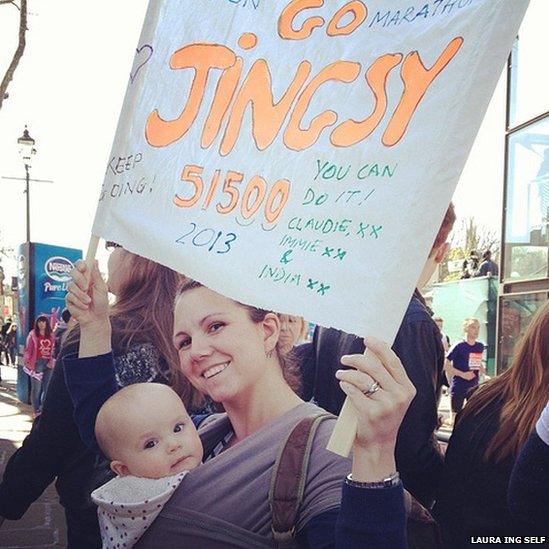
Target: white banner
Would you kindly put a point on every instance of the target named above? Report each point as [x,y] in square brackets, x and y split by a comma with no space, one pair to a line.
[299,156]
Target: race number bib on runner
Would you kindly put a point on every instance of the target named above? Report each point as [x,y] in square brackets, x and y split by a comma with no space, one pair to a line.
[475,361]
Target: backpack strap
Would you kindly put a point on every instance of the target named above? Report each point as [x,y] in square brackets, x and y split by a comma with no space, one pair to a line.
[289,477]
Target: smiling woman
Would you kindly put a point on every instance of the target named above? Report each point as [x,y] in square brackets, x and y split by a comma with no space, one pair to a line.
[230,352]
[220,338]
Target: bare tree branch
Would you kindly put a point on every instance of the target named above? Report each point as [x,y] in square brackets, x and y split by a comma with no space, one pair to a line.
[471,236]
[8,77]
[12,2]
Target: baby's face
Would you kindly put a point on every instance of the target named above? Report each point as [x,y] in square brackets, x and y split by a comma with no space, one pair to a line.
[160,441]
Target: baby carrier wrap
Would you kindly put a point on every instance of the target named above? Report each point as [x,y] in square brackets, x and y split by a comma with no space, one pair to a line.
[224,502]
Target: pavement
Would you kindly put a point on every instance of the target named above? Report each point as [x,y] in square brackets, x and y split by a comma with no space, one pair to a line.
[43,525]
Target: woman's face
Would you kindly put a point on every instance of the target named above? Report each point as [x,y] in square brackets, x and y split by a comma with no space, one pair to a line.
[290,331]
[222,352]
[41,325]
[117,269]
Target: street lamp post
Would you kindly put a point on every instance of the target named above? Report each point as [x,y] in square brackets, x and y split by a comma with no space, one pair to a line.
[27,151]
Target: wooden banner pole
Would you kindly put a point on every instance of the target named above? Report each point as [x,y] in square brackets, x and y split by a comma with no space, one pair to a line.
[92,250]
[343,435]
[344,431]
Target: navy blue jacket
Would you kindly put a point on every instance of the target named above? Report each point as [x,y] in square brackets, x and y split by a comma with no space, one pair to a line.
[528,495]
[473,496]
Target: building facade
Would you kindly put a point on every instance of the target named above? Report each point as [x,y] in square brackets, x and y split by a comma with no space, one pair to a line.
[524,274]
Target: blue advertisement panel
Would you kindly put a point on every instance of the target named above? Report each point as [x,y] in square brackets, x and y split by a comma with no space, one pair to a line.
[52,267]
[43,273]
[24,310]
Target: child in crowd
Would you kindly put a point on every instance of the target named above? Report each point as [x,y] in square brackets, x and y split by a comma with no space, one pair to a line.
[146,432]
[464,363]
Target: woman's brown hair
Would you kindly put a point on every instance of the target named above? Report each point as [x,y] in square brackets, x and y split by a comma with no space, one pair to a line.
[523,389]
[143,313]
[288,364]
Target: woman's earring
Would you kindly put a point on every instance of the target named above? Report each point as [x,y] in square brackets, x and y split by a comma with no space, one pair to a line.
[269,354]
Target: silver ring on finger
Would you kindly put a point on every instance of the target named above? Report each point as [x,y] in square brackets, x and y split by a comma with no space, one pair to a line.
[374,387]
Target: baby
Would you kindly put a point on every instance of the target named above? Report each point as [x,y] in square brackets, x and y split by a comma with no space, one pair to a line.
[152,443]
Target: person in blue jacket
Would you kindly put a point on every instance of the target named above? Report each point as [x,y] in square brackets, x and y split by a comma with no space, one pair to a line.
[229,351]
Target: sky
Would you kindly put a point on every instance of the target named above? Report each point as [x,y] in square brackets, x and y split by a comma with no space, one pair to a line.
[69,89]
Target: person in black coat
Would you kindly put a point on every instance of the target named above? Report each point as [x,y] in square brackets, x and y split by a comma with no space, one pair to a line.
[487,439]
[528,495]
[418,345]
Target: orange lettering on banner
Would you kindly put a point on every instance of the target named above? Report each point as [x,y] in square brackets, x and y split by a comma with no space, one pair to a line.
[351,131]
[416,79]
[224,94]
[295,137]
[256,192]
[196,181]
[359,11]
[229,188]
[201,58]
[285,28]
[267,116]
[247,41]
[231,99]
[256,185]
